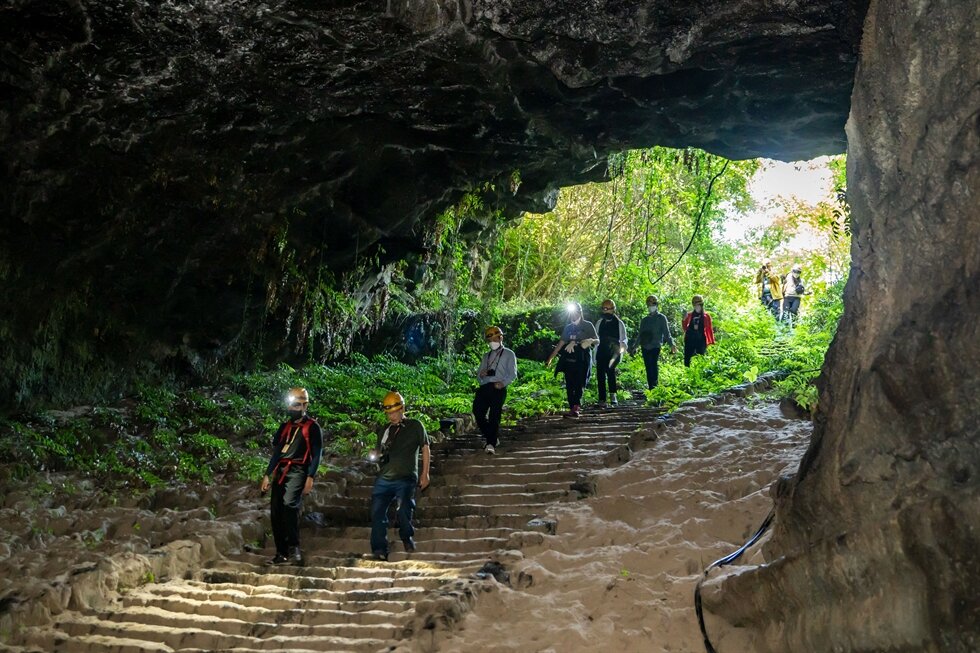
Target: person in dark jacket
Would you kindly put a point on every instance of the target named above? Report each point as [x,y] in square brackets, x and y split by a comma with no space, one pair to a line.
[296,450]
[654,332]
[698,333]
[576,344]
[612,346]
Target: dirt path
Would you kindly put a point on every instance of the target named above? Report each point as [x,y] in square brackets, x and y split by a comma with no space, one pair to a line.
[620,573]
[479,508]
[612,573]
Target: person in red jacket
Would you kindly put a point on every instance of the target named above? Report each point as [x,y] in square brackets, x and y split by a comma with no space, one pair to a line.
[296,451]
[697,331]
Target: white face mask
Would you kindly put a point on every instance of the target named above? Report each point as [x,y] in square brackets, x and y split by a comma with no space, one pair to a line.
[495,346]
[653,310]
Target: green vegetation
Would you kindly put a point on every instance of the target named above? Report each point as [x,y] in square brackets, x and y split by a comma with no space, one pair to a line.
[655,228]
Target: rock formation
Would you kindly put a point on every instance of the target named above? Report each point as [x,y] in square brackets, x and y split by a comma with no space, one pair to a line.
[876,536]
[178,176]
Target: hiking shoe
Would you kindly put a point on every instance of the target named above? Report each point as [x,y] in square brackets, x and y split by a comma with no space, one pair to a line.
[490,450]
[615,402]
[278,559]
[576,411]
[409,545]
[295,555]
[601,404]
[380,556]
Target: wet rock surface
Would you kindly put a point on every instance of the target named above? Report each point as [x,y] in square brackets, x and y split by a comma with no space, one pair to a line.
[876,535]
[166,164]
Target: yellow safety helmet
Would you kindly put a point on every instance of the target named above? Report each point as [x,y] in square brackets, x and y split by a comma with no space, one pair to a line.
[697,299]
[297,394]
[393,401]
[493,331]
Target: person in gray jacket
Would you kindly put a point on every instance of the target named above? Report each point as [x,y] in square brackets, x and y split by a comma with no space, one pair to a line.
[654,332]
[498,369]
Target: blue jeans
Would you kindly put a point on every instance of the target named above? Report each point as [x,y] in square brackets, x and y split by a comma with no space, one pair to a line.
[384,493]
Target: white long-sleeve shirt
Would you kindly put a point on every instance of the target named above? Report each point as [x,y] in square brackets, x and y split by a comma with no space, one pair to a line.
[503,362]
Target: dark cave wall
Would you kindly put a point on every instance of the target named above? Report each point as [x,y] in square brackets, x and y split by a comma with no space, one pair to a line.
[175,177]
[876,539]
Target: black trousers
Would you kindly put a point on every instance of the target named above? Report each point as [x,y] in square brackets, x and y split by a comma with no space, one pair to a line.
[651,360]
[791,306]
[287,501]
[604,371]
[576,376]
[488,405]
[694,346]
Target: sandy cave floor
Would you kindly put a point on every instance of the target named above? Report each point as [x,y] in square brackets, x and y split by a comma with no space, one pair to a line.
[620,573]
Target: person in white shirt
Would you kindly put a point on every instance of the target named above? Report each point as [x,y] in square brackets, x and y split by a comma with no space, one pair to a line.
[498,369]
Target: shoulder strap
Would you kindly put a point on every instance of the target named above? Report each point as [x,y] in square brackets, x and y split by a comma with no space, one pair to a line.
[281,433]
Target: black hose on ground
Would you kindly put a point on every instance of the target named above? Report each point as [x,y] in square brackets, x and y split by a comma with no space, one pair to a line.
[727,560]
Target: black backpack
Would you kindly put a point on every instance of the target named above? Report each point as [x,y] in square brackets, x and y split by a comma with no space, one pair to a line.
[800,289]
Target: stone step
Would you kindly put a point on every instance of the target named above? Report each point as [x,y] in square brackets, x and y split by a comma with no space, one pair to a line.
[408,593]
[325,536]
[210,639]
[357,513]
[506,476]
[447,498]
[576,456]
[290,581]
[160,594]
[338,600]
[426,545]
[308,570]
[461,562]
[256,614]
[253,623]
[363,492]
[590,434]
[50,641]
[316,555]
[484,466]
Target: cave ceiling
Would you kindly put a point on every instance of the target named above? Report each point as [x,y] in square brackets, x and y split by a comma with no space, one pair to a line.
[157,145]
[372,115]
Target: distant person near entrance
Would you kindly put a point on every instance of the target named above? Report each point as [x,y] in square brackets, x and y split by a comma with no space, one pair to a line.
[575,347]
[770,288]
[498,369]
[399,446]
[296,450]
[612,346]
[793,291]
[698,333]
[654,332]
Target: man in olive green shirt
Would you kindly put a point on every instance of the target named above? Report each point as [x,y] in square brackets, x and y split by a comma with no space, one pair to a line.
[398,450]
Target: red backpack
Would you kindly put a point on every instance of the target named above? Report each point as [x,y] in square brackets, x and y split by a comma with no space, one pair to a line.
[304,429]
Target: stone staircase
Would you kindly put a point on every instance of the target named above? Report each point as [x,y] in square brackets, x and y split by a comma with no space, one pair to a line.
[477,507]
